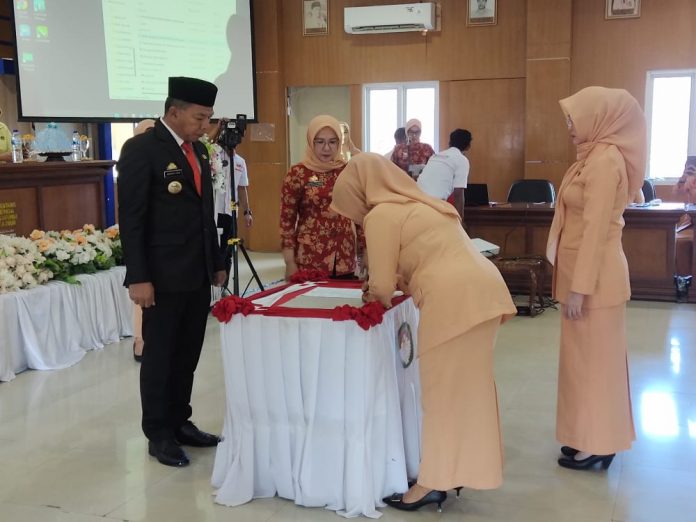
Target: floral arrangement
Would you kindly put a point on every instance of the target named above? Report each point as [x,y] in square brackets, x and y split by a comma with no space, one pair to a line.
[27,262]
[302,276]
[21,264]
[368,315]
[215,155]
[228,306]
[81,251]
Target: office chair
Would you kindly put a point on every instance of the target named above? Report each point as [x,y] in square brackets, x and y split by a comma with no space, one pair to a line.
[532,191]
[648,190]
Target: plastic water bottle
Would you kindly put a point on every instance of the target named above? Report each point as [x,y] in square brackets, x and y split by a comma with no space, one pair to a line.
[75,147]
[17,155]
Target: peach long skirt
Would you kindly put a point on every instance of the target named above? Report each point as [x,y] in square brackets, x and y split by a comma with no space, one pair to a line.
[460,439]
[594,401]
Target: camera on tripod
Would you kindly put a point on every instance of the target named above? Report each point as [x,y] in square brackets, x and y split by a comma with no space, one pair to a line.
[232,131]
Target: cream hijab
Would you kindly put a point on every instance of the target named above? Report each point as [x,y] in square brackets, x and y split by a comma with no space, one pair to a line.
[310,159]
[348,148]
[370,179]
[613,117]
[413,122]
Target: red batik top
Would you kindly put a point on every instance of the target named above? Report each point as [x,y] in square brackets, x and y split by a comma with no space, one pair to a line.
[413,154]
[320,238]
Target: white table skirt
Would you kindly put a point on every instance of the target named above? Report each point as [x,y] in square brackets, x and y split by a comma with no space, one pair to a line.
[52,326]
[320,412]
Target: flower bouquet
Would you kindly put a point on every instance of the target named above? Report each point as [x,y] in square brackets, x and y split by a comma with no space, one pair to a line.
[21,264]
[82,251]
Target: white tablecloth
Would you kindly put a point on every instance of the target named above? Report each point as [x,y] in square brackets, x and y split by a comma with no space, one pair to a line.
[52,326]
[320,412]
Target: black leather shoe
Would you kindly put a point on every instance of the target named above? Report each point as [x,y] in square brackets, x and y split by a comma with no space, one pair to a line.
[168,453]
[189,435]
[568,451]
[571,463]
[432,497]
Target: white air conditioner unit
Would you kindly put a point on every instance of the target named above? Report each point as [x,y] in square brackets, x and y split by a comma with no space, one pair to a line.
[389,18]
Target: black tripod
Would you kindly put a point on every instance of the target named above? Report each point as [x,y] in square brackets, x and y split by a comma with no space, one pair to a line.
[231,242]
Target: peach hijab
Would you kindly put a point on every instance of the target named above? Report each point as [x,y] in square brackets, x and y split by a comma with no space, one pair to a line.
[613,117]
[310,159]
[370,179]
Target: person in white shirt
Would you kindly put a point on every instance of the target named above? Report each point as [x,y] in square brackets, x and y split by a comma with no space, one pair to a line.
[400,138]
[241,182]
[446,172]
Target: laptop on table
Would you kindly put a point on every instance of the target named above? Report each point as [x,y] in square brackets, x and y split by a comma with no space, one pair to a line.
[476,195]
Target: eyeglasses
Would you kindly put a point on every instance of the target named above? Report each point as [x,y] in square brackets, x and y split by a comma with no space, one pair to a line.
[333,142]
[414,132]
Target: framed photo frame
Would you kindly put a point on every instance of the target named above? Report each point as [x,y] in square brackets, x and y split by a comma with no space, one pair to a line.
[482,12]
[622,9]
[315,17]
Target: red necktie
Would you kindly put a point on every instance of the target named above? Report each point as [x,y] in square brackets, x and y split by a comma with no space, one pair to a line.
[191,157]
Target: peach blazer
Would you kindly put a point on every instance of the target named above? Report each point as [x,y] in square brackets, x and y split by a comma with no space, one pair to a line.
[585,237]
[427,254]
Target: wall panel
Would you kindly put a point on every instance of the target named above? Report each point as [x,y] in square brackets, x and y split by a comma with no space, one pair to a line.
[493,110]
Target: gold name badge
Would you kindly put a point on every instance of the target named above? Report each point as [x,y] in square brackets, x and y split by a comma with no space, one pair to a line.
[174,187]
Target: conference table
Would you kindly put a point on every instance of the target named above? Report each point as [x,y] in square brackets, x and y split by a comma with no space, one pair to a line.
[649,240]
[319,411]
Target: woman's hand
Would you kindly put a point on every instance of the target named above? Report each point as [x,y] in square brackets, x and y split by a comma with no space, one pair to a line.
[290,265]
[573,308]
[290,268]
[361,271]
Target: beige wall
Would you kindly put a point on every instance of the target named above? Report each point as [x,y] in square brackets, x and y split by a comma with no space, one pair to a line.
[502,82]
[308,102]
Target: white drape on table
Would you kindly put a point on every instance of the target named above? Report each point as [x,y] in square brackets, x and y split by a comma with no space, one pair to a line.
[318,411]
[52,326]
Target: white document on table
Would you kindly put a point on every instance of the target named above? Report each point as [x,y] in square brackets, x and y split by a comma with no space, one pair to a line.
[270,300]
[344,293]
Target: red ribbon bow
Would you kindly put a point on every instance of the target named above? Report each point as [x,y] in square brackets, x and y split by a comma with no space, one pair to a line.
[228,306]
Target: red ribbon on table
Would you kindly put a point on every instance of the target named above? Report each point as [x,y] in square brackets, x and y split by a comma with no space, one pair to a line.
[228,306]
[368,315]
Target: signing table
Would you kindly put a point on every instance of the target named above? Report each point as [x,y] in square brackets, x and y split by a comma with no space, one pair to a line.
[52,326]
[320,411]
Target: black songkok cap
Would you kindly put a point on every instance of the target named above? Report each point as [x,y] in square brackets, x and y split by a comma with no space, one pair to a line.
[192,90]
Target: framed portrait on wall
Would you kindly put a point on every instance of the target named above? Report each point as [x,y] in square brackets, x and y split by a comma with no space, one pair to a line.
[482,12]
[315,17]
[622,9]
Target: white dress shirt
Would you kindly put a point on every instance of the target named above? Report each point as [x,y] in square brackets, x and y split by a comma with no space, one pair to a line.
[444,172]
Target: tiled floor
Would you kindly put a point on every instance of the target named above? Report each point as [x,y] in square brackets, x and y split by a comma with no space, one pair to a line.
[71,447]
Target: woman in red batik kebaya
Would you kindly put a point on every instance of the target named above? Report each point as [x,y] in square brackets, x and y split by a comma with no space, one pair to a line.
[314,237]
[413,152]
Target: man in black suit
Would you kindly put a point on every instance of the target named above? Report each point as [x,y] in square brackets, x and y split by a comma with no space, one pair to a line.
[172,257]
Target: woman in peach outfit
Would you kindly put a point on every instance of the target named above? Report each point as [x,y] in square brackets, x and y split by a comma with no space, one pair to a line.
[417,243]
[594,418]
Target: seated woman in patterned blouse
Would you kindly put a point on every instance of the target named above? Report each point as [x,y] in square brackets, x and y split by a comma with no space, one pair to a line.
[413,152]
[314,237]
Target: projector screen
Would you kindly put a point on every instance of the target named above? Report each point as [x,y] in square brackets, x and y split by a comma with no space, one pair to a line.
[109,60]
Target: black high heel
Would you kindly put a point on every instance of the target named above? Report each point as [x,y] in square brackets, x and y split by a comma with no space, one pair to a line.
[456,490]
[568,451]
[587,463]
[137,357]
[432,497]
